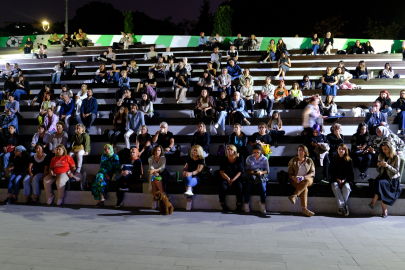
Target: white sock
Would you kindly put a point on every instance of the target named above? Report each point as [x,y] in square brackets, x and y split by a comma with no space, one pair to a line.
[78,170]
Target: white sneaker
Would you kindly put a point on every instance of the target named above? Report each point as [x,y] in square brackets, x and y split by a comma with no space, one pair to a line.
[188,205]
[59,201]
[216,125]
[170,79]
[188,193]
[50,200]
[372,75]
[154,205]
[262,207]
[103,80]
[247,210]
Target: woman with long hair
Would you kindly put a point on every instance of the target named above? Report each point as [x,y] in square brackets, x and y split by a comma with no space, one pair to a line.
[194,165]
[80,144]
[101,75]
[23,87]
[360,152]
[387,72]
[342,177]
[329,106]
[318,145]
[275,127]
[157,164]
[271,51]
[284,64]
[281,47]
[146,106]
[387,186]
[386,103]
[301,172]
[294,97]
[37,169]
[48,103]
[335,138]
[109,168]
[343,80]
[205,105]
[329,83]
[205,82]
[362,72]
[119,125]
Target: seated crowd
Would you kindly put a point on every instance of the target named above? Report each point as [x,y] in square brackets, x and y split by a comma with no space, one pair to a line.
[49,159]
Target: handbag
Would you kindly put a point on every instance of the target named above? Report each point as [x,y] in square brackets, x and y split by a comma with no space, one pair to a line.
[77,148]
[206,177]
[221,150]
[254,179]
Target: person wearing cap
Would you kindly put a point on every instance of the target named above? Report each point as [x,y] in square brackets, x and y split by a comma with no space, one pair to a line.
[17,171]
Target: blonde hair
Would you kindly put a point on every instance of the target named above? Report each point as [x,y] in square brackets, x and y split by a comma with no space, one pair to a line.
[233,148]
[199,150]
[61,146]
[124,71]
[133,63]
[204,126]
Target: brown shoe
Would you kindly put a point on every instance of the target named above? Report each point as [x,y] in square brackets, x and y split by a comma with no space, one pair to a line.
[292,198]
[100,204]
[307,212]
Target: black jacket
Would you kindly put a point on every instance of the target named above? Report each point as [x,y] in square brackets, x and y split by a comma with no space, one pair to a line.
[232,139]
[334,142]
[341,169]
[318,139]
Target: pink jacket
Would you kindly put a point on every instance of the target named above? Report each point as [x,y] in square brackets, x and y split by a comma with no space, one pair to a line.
[52,126]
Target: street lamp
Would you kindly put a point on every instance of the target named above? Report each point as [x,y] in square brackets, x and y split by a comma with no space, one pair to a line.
[45,26]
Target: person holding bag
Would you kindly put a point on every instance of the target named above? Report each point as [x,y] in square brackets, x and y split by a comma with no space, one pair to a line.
[80,144]
[301,171]
[257,169]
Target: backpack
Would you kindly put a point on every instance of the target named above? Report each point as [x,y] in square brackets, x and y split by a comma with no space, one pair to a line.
[221,150]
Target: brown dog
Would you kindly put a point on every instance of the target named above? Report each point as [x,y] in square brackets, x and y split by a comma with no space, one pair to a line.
[165,207]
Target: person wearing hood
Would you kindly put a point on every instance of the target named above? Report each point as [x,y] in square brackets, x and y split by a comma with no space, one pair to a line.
[109,168]
[384,135]
[17,172]
[10,119]
[318,147]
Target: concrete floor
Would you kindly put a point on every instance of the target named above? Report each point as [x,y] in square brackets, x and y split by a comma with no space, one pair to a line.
[48,238]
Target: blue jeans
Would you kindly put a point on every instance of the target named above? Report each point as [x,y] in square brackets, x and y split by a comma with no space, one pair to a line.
[87,122]
[6,158]
[221,119]
[275,133]
[235,77]
[192,181]
[363,77]
[14,183]
[401,120]
[262,190]
[272,55]
[227,90]
[18,93]
[249,105]
[56,78]
[388,111]
[115,77]
[315,48]
[34,184]
[266,104]
[329,90]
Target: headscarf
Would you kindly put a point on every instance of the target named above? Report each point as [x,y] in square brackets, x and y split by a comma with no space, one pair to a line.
[20,148]
[111,150]
[317,128]
[136,153]
[385,136]
[12,113]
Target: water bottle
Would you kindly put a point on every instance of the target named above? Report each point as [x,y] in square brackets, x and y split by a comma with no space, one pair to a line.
[92,58]
[99,130]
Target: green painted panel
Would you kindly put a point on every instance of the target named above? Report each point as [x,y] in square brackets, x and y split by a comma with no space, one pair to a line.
[397,46]
[105,40]
[227,39]
[3,41]
[266,42]
[193,42]
[306,43]
[25,38]
[137,38]
[350,43]
[164,40]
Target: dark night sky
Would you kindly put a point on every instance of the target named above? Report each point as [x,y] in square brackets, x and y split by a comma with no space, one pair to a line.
[54,10]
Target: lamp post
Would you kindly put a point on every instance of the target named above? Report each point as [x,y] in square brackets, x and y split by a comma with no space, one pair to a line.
[45,26]
[66,18]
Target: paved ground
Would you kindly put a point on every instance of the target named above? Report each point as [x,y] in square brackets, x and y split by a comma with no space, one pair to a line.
[49,238]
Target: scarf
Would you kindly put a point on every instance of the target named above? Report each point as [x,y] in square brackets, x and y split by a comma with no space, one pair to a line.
[12,114]
[385,136]
[111,150]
